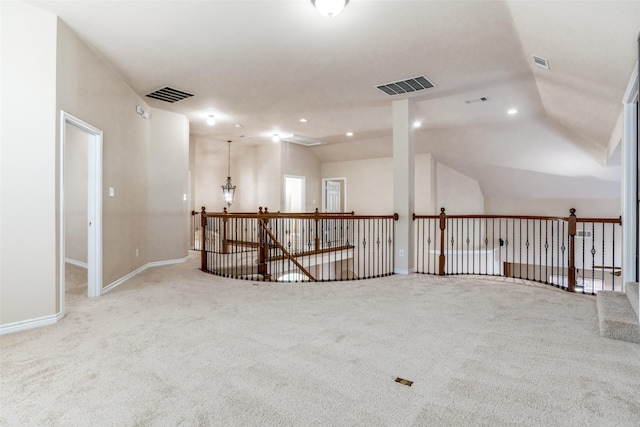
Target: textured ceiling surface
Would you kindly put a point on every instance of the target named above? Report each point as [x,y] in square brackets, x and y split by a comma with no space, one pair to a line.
[264,65]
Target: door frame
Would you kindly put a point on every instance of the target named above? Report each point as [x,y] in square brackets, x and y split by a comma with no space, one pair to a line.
[303,202]
[94,206]
[344,195]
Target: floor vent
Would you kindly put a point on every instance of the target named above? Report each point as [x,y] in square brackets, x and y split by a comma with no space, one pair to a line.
[169,94]
[541,62]
[406,86]
[403,381]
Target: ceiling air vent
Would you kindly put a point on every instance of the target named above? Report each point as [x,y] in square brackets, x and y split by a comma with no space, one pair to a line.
[406,86]
[541,62]
[169,94]
[473,101]
[301,140]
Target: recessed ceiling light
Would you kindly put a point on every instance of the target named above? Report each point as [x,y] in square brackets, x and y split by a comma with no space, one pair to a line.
[211,120]
[276,138]
[303,120]
[349,134]
[417,124]
[239,126]
[512,111]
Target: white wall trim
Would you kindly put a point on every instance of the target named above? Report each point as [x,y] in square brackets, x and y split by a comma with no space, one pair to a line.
[140,270]
[76,263]
[167,262]
[25,325]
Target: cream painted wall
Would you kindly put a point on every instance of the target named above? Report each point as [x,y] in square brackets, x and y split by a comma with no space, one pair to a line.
[268,167]
[301,161]
[76,169]
[91,90]
[457,193]
[168,173]
[255,171]
[28,163]
[210,173]
[586,208]
[425,185]
[369,184]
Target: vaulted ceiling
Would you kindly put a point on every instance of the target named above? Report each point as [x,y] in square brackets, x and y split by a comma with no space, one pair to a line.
[264,65]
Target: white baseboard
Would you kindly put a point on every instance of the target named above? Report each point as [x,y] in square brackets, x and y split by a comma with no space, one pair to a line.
[167,262]
[140,270]
[76,263]
[25,325]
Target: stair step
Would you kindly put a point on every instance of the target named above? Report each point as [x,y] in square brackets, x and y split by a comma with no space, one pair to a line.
[616,317]
[631,289]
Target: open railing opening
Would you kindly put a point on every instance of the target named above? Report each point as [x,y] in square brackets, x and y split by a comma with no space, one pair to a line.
[582,255]
[295,247]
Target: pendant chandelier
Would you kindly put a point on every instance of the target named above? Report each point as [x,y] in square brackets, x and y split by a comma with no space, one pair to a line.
[228,190]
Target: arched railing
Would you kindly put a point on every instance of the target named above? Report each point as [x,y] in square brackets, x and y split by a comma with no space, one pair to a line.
[293,247]
[577,254]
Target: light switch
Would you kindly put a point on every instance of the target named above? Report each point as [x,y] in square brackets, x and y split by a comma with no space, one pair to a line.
[112,192]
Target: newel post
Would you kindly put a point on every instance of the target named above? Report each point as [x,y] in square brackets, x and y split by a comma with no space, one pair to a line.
[203,245]
[263,247]
[443,226]
[225,247]
[316,217]
[571,286]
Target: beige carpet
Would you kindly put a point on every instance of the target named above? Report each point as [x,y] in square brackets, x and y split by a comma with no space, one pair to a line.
[175,346]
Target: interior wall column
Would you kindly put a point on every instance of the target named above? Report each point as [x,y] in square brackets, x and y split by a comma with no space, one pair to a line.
[630,182]
[403,184]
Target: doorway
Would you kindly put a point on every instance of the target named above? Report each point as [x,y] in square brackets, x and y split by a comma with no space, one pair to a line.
[334,194]
[80,202]
[295,193]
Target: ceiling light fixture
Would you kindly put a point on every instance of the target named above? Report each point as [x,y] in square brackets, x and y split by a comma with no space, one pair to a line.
[276,137]
[417,124]
[330,8]
[303,120]
[211,120]
[512,112]
[349,133]
[228,190]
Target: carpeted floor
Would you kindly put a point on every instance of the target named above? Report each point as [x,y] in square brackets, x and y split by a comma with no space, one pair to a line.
[175,346]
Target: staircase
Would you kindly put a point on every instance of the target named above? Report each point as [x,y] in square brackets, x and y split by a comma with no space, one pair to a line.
[618,314]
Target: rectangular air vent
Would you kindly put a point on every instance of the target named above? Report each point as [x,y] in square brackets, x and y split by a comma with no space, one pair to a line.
[473,101]
[584,234]
[301,140]
[169,94]
[541,62]
[406,86]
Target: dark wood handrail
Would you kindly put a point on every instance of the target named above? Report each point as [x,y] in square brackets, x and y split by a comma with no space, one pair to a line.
[297,216]
[534,217]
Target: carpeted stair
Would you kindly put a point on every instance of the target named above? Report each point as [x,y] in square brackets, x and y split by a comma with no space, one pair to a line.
[618,314]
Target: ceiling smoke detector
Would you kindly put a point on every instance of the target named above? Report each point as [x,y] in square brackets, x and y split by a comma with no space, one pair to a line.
[169,94]
[406,86]
[541,62]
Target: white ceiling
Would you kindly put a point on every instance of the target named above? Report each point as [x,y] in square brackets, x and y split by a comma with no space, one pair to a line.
[266,64]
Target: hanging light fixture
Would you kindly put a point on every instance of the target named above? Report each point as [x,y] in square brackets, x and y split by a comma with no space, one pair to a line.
[228,190]
[330,8]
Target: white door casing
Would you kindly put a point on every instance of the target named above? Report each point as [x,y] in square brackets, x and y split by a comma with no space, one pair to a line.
[94,206]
